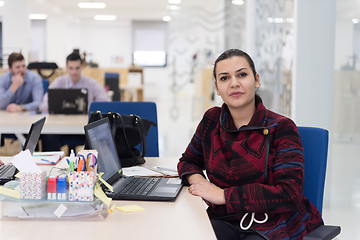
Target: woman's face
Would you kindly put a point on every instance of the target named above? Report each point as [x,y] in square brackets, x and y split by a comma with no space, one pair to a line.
[235,82]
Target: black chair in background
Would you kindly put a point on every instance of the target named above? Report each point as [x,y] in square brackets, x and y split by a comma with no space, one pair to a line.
[112,84]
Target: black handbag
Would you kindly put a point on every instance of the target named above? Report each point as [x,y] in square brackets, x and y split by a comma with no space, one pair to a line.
[128,131]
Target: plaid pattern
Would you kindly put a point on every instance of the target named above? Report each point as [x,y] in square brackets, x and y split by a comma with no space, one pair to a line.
[235,160]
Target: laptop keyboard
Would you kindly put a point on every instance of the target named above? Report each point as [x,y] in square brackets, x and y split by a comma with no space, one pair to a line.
[7,173]
[139,186]
[6,170]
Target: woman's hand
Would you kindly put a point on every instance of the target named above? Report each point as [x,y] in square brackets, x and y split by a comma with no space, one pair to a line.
[201,187]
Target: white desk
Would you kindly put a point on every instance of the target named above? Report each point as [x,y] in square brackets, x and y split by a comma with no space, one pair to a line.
[54,124]
[184,218]
[19,123]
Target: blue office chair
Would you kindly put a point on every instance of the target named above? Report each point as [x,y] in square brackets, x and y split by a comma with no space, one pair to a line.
[146,110]
[315,143]
[46,84]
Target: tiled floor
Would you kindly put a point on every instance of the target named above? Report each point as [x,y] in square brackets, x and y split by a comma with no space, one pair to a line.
[179,114]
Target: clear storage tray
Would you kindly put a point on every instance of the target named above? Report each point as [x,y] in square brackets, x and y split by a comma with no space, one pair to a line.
[52,210]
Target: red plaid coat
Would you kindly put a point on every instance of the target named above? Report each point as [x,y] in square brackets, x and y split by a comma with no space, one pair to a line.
[260,166]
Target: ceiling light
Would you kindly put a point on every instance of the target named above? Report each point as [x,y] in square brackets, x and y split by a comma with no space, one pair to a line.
[105,17]
[237,2]
[37,16]
[2,3]
[174,1]
[355,20]
[91,5]
[278,20]
[166,18]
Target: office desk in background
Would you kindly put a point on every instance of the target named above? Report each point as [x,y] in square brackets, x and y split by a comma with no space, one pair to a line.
[185,218]
[54,124]
[19,123]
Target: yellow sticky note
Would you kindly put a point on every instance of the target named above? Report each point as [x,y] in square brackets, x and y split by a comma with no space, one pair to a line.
[9,192]
[130,208]
[99,193]
[104,182]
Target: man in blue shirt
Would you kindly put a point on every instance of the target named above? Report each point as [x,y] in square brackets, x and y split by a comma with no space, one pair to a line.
[20,89]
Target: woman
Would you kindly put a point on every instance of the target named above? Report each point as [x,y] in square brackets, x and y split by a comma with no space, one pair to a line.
[253,159]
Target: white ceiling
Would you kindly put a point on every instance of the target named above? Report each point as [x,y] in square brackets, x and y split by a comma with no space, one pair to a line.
[123,9]
[145,9]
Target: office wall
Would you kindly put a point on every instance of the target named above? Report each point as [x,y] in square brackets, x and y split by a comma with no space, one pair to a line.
[110,45]
[343,42]
[38,41]
[16,27]
[314,63]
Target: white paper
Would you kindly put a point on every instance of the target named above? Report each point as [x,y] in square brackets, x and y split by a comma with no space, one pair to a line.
[140,171]
[25,163]
[168,171]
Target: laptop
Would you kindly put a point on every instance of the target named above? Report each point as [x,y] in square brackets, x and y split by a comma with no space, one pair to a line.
[34,135]
[40,158]
[8,171]
[99,138]
[68,101]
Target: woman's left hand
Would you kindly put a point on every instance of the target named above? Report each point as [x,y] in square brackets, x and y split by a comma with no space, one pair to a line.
[208,191]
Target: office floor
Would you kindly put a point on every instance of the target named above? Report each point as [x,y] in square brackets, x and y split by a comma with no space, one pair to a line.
[179,114]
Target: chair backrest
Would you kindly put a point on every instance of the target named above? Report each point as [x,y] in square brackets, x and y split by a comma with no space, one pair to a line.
[46,84]
[315,143]
[112,83]
[146,110]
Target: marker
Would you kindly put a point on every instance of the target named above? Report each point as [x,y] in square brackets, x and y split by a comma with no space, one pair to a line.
[71,166]
[51,187]
[45,160]
[72,161]
[61,187]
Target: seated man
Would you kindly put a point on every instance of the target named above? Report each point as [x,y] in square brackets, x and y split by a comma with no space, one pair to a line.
[20,89]
[73,79]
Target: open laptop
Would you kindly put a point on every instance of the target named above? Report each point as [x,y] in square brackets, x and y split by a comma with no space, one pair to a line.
[8,171]
[68,101]
[40,158]
[34,135]
[99,137]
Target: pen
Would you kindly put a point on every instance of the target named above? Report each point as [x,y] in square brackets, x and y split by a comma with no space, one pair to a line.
[71,166]
[45,160]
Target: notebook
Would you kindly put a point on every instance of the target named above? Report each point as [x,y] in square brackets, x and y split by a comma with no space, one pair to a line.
[159,189]
[68,101]
[41,158]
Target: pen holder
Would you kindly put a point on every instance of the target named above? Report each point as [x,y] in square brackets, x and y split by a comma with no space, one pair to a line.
[81,185]
[33,185]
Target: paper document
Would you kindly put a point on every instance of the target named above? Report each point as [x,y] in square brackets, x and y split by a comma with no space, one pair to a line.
[24,163]
[167,171]
[140,172]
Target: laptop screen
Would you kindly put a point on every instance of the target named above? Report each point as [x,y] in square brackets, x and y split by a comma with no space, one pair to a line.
[99,138]
[34,135]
